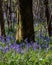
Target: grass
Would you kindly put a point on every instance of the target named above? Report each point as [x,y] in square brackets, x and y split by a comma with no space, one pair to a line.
[38,57]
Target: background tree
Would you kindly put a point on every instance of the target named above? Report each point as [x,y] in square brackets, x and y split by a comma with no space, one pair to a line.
[48,16]
[2,19]
[9,11]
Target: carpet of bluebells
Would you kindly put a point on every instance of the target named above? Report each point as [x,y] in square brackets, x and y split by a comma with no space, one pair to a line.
[26,53]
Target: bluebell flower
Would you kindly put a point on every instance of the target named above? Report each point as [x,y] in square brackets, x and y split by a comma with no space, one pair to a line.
[28,44]
[0,38]
[1,47]
[6,49]
[3,41]
[34,47]
[14,42]
[11,46]
[47,39]
[8,39]
[41,36]
[14,46]
[17,48]
[8,36]
[46,45]
[37,42]
[32,44]
[42,41]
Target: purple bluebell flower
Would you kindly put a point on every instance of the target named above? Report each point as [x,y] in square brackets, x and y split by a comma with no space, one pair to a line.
[6,49]
[8,36]
[8,39]
[34,47]
[41,36]
[11,46]
[3,41]
[14,42]
[47,39]
[17,48]
[22,45]
[1,47]
[42,41]
[37,42]
[0,38]
[32,44]
[28,45]
[14,46]
[46,45]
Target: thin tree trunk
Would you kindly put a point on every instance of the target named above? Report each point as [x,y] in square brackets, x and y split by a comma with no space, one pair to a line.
[2,19]
[9,15]
[48,16]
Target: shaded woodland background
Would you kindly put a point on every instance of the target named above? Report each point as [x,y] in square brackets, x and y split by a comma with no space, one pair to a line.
[26,18]
[25,32]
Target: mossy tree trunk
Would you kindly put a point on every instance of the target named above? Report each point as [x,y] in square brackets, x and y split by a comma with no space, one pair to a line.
[27,28]
[19,27]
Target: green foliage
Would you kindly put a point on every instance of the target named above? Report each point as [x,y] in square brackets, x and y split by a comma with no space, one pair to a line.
[29,58]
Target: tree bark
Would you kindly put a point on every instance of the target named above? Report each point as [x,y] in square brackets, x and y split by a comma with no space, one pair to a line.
[48,16]
[2,19]
[9,16]
[26,19]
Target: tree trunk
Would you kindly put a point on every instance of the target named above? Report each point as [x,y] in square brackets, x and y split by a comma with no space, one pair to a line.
[2,19]
[26,19]
[19,27]
[48,16]
[9,15]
